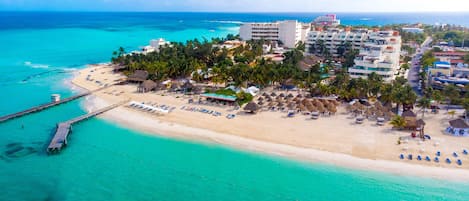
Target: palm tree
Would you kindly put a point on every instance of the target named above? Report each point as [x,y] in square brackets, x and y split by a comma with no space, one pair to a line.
[451,92]
[398,122]
[424,103]
[404,95]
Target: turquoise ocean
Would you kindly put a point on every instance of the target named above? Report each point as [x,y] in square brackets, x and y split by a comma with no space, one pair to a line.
[42,51]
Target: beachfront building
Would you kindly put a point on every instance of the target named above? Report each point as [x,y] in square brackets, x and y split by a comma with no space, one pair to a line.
[334,40]
[287,33]
[379,54]
[449,69]
[440,68]
[326,20]
[155,45]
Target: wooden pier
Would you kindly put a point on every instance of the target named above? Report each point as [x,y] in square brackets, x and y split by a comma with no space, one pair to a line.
[48,105]
[64,129]
[41,107]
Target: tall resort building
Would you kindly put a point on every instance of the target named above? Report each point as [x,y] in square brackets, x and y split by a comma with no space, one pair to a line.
[380,54]
[288,32]
[379,50]
[335,39]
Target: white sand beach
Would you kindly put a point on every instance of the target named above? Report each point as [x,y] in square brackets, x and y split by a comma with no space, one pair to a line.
[334,140]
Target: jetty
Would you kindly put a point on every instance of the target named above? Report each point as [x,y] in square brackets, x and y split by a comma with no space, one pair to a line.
[64,129]
[41,107]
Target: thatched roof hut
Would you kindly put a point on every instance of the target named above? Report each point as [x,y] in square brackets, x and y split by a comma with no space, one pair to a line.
[458,123]
[138,76]
[119,67]
[146,86]
[187,86]
[251,107]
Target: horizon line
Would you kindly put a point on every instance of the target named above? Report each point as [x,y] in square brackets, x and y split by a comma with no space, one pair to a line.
[232,12]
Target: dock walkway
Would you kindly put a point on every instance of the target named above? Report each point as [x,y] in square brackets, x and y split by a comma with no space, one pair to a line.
[64,129]
[47,105]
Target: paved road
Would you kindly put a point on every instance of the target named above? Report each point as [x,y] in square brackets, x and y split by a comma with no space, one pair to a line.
[413,76]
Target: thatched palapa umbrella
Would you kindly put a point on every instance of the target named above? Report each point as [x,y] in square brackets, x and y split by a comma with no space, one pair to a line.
[272,104]
[260,99]
[302,108]
[290,96]
[280,105]
[252,107]
[273,94]
[282,95]
[311,107]
[291,106]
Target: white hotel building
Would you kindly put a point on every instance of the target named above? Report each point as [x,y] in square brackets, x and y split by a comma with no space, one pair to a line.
[380,54]
[288,32]
[335,38]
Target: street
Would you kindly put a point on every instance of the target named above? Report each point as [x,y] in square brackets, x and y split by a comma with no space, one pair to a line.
[413,75]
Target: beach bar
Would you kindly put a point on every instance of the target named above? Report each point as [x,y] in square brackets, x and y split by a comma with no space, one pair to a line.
[230,100]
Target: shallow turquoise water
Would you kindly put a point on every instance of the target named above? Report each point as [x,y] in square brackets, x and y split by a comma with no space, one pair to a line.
[106,162]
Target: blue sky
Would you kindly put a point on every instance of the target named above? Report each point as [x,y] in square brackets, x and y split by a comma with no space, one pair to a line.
[239,5]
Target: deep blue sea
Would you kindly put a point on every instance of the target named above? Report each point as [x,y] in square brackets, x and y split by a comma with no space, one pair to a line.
[40,53]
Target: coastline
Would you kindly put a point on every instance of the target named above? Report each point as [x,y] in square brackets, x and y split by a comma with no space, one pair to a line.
[168,127]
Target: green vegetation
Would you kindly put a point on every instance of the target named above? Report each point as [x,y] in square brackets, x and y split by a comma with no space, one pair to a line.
[244,66]
[243,98]
[398,122]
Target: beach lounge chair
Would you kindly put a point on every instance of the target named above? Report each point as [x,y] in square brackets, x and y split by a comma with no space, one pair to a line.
[427,158]
[419,158]
[380,121]
[410,156]
[315,115]
[448,161]
[437,159]
[438,153]
[401,156]
[455,154]
[359,120]
[464,152]
[459,162]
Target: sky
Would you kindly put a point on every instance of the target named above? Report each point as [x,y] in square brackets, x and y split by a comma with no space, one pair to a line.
[239,5]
